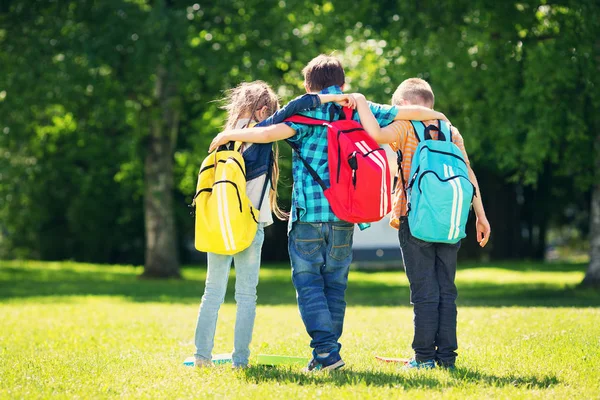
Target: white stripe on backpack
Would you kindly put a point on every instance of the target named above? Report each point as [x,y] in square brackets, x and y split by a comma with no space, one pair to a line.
[220,202]
[459,205]
[383,198]
[226,215]
[454,202]
[384,180]
[384,189]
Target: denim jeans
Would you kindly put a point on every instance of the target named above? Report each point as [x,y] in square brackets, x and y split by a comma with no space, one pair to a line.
[431,269]
[247,266]
[320,254]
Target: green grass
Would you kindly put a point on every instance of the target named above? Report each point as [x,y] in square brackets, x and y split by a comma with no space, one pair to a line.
[85,331]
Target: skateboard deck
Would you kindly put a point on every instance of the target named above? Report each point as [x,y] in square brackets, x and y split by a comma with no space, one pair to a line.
[392,359]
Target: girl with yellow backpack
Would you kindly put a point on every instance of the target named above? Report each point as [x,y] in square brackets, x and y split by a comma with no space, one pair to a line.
[247,104]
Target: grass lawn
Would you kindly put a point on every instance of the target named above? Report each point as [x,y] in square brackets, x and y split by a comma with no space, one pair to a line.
[85,331]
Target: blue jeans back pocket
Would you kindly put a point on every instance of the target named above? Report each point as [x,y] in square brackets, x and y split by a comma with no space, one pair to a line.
[341,242]
[307,238]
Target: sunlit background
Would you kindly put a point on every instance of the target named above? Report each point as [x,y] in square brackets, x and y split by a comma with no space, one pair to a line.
[103,102]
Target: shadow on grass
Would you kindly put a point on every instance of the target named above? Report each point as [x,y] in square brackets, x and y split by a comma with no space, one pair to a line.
[524,266]
[274,289]
[528,382]
[419,379]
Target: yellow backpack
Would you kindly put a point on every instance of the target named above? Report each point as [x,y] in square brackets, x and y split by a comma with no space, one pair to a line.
[226,220]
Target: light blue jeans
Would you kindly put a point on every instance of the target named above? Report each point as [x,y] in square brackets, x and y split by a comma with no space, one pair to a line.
[247,266]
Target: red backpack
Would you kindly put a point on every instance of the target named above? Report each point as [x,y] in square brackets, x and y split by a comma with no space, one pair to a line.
[359,176]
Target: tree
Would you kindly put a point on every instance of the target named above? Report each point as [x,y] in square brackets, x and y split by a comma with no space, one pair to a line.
[132,74]
[106,108]
[592,275]
[521,79]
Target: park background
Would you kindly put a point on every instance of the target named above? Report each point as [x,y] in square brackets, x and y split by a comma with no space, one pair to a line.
[106,112]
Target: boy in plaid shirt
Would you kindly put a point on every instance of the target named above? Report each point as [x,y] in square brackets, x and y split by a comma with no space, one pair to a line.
[320,244]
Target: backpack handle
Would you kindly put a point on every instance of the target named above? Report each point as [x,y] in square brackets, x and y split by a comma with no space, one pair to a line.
[344,114]
[430,128]
[423,132]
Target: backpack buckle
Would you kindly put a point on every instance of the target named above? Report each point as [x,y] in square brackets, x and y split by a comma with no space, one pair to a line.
[353,162]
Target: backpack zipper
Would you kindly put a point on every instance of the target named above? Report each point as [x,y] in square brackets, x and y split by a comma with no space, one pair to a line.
[442,152]
[442,180]
[237,191]
[224,161]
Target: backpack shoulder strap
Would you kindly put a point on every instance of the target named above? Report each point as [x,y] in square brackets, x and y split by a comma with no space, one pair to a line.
[267,179]
[446,130]
[303,120]
[310,169]
[419,128]
[424,132]
[341,112]
[400,172]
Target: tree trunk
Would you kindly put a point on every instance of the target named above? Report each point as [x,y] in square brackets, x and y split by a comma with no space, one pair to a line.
[162,260]
[592,275]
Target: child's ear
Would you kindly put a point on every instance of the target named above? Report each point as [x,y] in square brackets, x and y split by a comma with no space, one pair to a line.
[263,113]
[306,87]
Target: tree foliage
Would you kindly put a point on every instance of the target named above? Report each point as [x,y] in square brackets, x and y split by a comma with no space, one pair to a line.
[78,94]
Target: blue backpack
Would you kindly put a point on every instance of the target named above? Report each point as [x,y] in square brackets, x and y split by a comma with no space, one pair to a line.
[439,190]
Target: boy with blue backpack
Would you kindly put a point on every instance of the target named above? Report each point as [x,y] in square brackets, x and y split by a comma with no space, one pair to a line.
[434,192]
[320,241]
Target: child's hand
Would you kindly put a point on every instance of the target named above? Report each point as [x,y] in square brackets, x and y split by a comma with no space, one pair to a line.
[334,98]
[353,99]
[345,100]
[219,140]
[483,231]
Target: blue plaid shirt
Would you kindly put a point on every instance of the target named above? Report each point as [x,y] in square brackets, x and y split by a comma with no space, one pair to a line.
[309,204]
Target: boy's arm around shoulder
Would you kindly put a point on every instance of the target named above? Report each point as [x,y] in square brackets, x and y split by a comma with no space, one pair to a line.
[417,113]
[300,103]
[389,117]
[266,134]
[367,119]
[392,133]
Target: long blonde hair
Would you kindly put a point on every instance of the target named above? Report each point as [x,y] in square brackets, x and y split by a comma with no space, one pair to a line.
[245,100]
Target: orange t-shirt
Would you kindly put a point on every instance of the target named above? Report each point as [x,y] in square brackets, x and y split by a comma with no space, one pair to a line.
[407,143]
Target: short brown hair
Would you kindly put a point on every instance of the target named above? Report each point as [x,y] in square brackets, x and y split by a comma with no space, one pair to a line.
[416,91]
[323,71]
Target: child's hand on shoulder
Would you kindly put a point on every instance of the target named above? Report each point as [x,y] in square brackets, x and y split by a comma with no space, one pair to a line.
[358,96]
[351,100]
[341,99]
[356,99]
[219,140]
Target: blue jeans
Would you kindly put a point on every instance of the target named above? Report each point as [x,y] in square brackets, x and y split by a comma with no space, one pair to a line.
[320,254]
[431,269]
[247,266]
